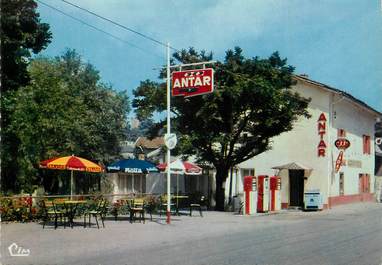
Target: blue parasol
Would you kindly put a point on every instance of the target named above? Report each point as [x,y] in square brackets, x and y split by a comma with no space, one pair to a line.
[132,166]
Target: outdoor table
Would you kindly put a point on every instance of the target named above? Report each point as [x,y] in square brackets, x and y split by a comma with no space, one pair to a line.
[177,197]
[128,201]
[71,207]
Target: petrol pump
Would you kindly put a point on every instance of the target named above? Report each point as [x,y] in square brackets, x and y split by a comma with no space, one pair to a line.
[262,193]
[250,195]
[275,193]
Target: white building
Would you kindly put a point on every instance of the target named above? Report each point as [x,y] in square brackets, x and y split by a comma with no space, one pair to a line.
[307,155]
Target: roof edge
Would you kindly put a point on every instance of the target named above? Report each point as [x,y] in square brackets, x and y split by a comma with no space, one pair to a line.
[339,92]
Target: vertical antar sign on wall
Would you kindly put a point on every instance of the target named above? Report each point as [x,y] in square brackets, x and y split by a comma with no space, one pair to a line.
[321,126]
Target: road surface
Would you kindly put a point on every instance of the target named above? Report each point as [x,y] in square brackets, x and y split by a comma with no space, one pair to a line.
[348,235]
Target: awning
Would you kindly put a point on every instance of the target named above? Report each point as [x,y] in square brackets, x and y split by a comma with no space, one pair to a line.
[293,166]
[182,167]
[132,166]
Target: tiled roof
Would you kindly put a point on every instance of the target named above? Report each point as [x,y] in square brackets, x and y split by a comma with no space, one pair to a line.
[337,91]
[150,144]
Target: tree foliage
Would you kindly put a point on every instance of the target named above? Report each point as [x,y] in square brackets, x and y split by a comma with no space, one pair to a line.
[66,110]
[252,103]
[22,33]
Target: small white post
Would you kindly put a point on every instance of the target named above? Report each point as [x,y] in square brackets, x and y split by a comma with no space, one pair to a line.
[168,133]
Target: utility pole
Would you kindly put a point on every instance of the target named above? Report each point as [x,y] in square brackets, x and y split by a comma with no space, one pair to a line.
[168,212]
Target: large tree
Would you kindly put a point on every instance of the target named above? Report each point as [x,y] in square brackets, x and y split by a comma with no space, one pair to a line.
[22,34]
[65,110]
[252,103]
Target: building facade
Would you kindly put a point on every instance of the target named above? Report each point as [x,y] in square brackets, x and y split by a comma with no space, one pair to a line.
[307,157]
[378,161]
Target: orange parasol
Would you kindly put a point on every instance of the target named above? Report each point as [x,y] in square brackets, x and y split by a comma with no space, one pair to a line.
[72,163]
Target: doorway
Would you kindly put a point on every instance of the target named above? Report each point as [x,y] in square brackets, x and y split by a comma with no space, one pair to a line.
[296,188]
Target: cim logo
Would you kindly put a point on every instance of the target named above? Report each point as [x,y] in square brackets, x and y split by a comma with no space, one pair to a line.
[18,251]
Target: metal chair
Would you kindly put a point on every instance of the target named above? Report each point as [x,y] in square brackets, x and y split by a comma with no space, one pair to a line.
[100,211]
[163,205]
[50,210]
[138,207]
[197,204]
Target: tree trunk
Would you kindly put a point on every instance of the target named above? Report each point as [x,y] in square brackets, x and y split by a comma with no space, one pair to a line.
[221,176]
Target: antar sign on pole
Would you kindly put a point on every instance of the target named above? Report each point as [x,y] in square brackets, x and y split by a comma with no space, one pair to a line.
[193,82]
[187,84]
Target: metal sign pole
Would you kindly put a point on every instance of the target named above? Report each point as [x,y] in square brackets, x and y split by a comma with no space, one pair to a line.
[168,133]
[170,140]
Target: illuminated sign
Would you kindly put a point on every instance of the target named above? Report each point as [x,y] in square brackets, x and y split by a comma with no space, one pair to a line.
[339,160]
[342,143]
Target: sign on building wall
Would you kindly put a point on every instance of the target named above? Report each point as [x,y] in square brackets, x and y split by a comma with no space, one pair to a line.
[354,163]
[342,144]
[378,145]
[321,126]
[339,160]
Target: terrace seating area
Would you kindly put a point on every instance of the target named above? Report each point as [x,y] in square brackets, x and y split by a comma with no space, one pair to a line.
[92,211]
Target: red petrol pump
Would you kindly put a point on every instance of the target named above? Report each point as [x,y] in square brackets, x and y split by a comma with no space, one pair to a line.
[262,193]
[275,193]
[250,195]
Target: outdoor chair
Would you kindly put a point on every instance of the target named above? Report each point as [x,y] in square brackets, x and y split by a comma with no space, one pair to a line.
[150,206]
[197,203]
[163,206]
[100,211]
[51,210]
[137,208]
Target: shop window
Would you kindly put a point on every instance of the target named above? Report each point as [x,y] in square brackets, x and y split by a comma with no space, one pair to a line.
[341,183]
[341,133]
[129,182]
[248,172]
[123,183]
[366,144]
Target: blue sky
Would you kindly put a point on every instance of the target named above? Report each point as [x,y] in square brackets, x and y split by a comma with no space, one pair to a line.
[336,42]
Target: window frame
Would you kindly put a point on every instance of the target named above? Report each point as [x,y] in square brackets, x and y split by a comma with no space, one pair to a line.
[341,133]
[366,144]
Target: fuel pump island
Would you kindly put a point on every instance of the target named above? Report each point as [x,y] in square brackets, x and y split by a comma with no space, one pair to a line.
[261,194]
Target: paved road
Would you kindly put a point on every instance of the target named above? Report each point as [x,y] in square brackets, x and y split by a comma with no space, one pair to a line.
[344,235]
